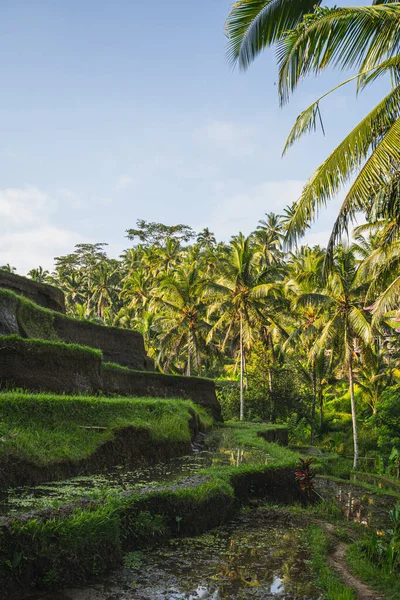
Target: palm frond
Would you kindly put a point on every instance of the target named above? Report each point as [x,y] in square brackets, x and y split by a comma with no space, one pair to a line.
[337,169]
[344,38]
[253,25]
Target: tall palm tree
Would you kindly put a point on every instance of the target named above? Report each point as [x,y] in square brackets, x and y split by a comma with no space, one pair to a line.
[347,331]
[206,239]
[105,286]
[237,298]
[183,320]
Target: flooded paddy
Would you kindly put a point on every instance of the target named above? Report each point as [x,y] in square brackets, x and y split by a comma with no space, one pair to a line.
[258,555]
[216,450]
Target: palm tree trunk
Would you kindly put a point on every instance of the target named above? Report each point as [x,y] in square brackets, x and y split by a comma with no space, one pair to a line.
[314,400]
[321,407]
[188,362]
[353,414]
[241,370]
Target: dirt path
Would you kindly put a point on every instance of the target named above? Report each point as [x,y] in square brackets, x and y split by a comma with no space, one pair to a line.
[337,561]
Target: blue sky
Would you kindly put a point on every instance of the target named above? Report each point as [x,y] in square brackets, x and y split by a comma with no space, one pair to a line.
[114,111]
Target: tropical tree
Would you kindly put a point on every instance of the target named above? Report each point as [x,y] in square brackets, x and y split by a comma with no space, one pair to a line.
[269,237]
[310,39]
[39,275]
[237,297]
[347,332]
[367,38]
[182,323]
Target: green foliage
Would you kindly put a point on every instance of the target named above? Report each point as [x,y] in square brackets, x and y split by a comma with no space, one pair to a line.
[319,544]
[387,420]
[370,572]
[384,546]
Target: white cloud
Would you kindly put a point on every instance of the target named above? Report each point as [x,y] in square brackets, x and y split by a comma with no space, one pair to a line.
[28,238]
[123,183]
[241,212]
[234,138]
[20,207]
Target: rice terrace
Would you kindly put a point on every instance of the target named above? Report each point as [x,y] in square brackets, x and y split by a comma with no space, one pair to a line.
[207,411]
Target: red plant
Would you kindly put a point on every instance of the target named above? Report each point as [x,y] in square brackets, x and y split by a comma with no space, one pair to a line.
[305,475]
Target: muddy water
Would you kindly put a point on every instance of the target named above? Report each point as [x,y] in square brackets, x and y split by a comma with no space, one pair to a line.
[258,555]
[358,504]
[218,449]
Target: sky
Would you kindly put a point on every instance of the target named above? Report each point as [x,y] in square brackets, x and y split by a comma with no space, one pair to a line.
[116,111]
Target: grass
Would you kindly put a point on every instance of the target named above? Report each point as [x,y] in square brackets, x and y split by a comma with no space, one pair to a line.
[45,428]
[379,579]
[60,346]
[319,545]
[110,366]
[246,435]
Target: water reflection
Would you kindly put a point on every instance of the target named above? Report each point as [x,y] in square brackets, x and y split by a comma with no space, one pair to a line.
[218,451]
[253,557]
[357,503]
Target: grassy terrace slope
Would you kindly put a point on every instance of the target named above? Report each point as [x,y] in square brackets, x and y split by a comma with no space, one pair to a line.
[60,435]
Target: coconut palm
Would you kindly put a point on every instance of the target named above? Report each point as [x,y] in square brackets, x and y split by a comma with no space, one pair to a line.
[183,324]
[269,237]
[206,239]
[310,39]
[368,39]
[105,286]
[238,298]
[347,332]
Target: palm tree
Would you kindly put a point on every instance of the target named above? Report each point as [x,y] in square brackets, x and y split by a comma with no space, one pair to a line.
[305,275]
[367,38]
[206,239]
[237,298]
[104,286]
[310,39]
[269,237]
[183,324]
[347,332]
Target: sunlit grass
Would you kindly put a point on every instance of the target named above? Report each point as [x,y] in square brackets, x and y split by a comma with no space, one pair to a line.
[45,428]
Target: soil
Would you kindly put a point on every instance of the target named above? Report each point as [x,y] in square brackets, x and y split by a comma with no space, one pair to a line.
[337,561]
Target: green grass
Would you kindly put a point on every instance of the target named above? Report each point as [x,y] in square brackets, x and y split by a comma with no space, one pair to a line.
[319,545]
[379,579]
[45,428]
[246,435]
[60,346]
[110,366]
